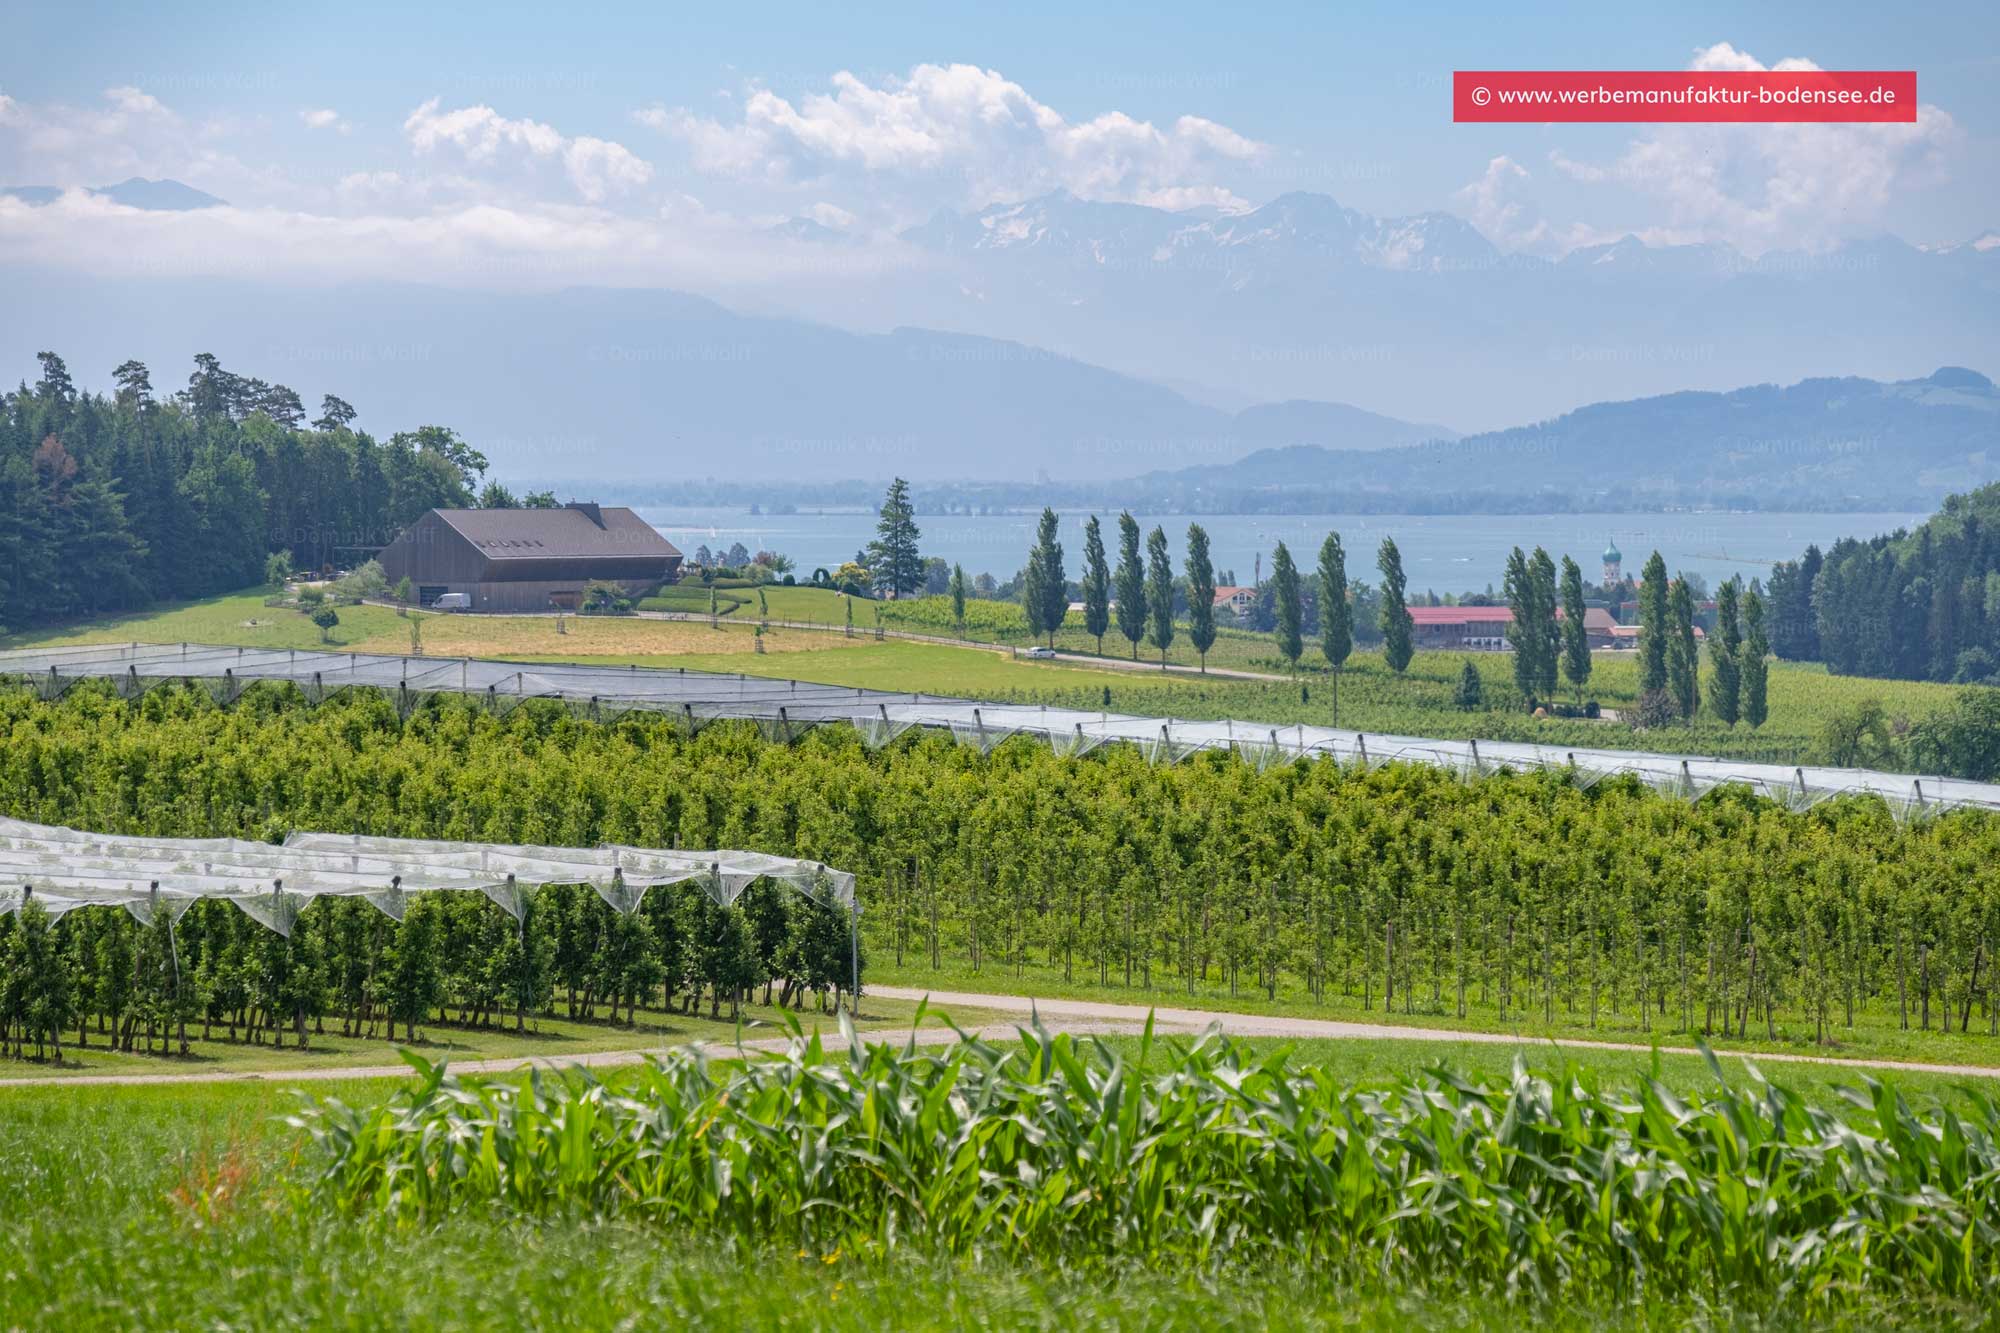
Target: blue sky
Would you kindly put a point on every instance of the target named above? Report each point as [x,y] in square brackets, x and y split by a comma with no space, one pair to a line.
[673,133]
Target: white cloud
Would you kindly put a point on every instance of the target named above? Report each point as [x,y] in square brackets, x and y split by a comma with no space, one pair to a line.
[597,168]
[958,131]
[1758,187]
[324,118]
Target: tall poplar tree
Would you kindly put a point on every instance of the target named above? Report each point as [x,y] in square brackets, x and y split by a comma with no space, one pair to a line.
[1291,617]
[1336,616]
[1201,593]
[958,595]
[1683,657]
[1096,584]
[1520,587]
[1575,637]
[1756,669]
[1725,679]
[1549,651]
[1396,646]
[1653,631]
[1160,592]
[1131,583]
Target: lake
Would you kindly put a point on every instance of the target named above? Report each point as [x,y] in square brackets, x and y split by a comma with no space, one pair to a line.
[1441,553]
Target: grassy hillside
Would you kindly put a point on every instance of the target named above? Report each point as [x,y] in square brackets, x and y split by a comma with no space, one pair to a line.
[1372,698]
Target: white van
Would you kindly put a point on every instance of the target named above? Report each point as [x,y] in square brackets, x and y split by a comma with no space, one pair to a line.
[453,601]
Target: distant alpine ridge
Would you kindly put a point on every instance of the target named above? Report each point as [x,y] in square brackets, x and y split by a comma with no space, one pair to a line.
[1423,316]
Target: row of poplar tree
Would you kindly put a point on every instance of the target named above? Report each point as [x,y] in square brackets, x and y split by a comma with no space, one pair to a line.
[1670,683]
[1512,895]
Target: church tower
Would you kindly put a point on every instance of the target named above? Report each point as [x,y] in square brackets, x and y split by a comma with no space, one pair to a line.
[1612,560]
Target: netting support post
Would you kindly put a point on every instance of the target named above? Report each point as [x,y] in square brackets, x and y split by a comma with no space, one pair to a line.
[854,958]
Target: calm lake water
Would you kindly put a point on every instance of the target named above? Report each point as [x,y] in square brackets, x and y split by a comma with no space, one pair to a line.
[1441,553]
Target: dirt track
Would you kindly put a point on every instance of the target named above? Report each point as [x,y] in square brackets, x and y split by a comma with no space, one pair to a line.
[1076,1016]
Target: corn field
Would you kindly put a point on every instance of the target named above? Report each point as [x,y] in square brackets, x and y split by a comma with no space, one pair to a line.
[1058,1148]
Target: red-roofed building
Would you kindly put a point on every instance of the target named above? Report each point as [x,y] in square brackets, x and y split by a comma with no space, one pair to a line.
[1236,601]
[1485,627]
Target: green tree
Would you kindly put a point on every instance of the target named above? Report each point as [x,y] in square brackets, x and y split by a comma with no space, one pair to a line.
[1470,694]
[893,558]
[277,570]
[1290,613]
[1683,656]
[1548,652]
[326,618]
[1756,667]
[1725,657]
[1575,636]
[1131,584]
[1523,599]
[1201,593]
[1160,592]
[958,596]
[1654,632]
[1336,613]
[1397,650]
[1044,592]
[1096,584]
[414,981]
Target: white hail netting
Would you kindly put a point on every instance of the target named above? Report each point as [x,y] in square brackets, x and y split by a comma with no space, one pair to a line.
[64,868]
[786,709]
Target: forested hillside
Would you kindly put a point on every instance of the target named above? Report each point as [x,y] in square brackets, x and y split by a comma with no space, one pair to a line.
[1922,605]
[110,502]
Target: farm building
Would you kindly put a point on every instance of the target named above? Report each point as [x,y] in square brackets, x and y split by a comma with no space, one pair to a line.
[1487,626]
[529,559]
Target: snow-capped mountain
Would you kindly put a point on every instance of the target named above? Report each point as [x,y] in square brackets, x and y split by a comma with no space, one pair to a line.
[1423,317]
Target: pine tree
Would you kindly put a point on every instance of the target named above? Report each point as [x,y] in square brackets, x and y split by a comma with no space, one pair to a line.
[893,558]
[1201,593]
[1131,583]
[1726,657]
[1654,631]
[1336,614]
[1285,594]
[1755,671]
[1396,646]
[1096,584]
[1160,592]
[1575,635]
[1470,695]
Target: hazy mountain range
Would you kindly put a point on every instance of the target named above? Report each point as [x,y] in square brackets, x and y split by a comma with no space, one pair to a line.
[1819,444]
[1419,318]
[1266,325]
[1422,316]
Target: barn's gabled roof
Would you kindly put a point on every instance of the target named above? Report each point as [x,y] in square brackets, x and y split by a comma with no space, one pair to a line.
[574,532]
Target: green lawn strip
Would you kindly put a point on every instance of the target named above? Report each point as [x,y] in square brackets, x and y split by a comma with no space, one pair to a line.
[1875,1036]
[547,1038]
